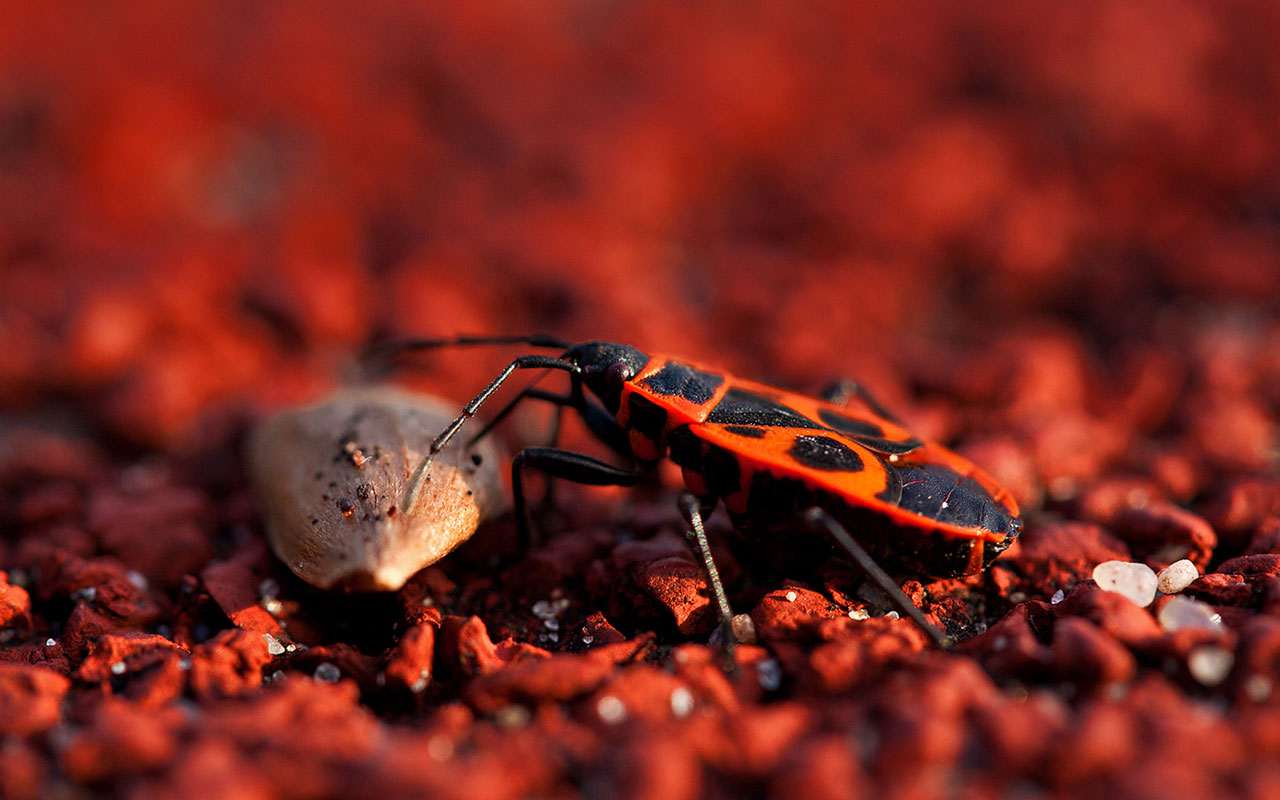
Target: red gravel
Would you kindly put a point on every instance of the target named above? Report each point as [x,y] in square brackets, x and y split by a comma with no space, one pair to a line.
[1045,233]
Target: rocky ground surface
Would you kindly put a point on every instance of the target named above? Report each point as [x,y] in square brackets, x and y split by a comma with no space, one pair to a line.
[1046,236]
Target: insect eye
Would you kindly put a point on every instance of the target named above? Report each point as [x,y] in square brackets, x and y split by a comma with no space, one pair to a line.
[617,373]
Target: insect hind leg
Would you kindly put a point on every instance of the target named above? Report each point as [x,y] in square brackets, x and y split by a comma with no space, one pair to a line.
[819,519]
[691,509]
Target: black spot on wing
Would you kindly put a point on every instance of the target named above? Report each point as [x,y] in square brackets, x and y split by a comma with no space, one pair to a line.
[741,407]
[825,453]
[675,378]
[868,434]
[745,430]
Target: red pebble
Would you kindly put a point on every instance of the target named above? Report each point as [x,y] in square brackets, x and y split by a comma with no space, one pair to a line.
[1059,555]
[15,607]
[132,651]
[229,663]
[409,665]
[30,698]
[122,739]
[822,768]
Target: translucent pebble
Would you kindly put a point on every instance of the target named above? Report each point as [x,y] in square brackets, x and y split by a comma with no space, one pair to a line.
[50,642]
[117,668]
[1258,688]
[1058,597]
[769,674]
[327,673]
[791,597]
[1183,612]
[1210,664]
[681,702]
[274,647]
[1133,580]
[611,709]
[1177,576]
[744,628]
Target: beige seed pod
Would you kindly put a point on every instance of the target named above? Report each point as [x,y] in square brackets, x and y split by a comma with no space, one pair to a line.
[331,479]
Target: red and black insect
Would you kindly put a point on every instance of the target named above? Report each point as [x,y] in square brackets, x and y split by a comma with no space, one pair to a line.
[777,460]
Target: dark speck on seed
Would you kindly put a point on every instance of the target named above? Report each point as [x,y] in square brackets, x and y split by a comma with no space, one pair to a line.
[477,459]
[391,512]
[319,475]
[363,491]
[346,507]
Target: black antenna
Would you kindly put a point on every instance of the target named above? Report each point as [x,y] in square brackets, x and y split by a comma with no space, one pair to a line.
[378,356]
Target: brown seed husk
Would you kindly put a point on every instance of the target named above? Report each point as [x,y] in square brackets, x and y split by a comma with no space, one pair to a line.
[330,479]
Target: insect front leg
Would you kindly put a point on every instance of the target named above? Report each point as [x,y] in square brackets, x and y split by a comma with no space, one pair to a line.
[571,466]
[819,519]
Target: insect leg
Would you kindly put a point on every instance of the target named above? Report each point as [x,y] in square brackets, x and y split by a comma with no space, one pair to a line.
[566,464]
[468,411]
[691,509]
[531,393]
[820,519]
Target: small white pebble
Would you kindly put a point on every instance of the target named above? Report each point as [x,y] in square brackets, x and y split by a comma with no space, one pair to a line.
[50,642]
[1177,576]
[1183,612]
[587,638]
[791,597]
[184,664]
[744,628]
[327,673]
[420,685]
[1210,664]
[769,674]
[893,615]
[117,668]
[138,580]
[1258,688]
[611,709]
[272,606]
[542,610]
[440,748]
[681,702]
[1133,580]
[273,645]
[268,588]
[858,613]
[1058,597]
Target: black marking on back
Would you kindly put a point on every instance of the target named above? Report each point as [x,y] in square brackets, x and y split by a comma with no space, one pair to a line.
[745,430]
[692,384]
[824,453]
[741,407]
[868,434]
[646,417]
[940,493]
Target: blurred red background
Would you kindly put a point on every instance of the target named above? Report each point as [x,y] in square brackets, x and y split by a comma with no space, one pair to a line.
[207,204]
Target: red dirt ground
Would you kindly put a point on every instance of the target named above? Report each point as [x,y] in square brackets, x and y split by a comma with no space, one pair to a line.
[1046,234]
